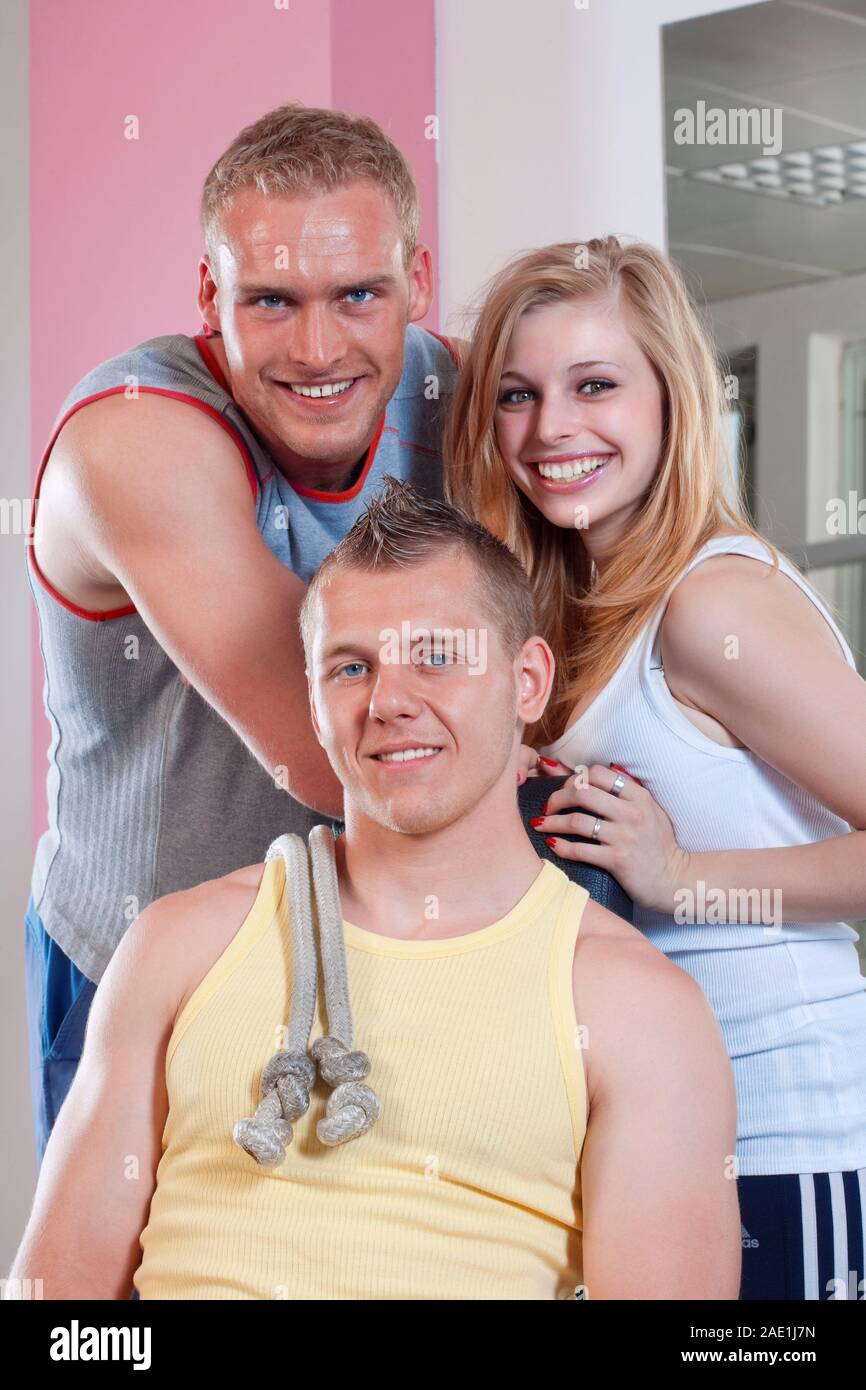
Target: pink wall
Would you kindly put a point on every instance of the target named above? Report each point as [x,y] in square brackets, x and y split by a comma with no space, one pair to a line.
[114,222]
[383,64]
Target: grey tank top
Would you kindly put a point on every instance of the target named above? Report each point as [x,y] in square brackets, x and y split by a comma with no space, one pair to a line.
[149,789]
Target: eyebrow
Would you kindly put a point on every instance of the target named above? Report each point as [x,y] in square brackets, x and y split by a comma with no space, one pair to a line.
[343,649]
[575,366]
[360,649]
[285,292]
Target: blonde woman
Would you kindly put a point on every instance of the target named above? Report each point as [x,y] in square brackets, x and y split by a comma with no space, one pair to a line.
[587,432]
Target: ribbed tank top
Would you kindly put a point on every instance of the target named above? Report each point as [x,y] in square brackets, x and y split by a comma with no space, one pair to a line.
[790,1003]
[467,1186]
[149,789]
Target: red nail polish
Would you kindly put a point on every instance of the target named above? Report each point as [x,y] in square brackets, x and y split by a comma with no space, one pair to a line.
[549,761]
[549,840]
[536,820]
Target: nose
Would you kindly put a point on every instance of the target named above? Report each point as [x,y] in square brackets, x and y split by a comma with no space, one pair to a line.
[318,339]
[394,693]
[559,417]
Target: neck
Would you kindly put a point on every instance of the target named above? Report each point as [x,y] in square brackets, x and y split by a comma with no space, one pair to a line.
[602,541]
[442,883]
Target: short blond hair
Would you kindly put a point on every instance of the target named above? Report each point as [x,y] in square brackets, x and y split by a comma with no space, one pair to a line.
[298,149]
[401,527]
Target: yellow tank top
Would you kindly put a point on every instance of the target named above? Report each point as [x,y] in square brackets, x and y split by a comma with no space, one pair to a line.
[467,1186]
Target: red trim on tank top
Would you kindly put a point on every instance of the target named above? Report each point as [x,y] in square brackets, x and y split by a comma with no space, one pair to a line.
[210,359]
[97,616]
[447,342]
[371,452]
[357,486]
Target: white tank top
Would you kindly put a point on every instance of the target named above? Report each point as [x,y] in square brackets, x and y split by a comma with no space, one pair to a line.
[790,1002]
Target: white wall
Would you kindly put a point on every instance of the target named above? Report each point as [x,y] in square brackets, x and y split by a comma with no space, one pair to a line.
[798,332]
[551,128]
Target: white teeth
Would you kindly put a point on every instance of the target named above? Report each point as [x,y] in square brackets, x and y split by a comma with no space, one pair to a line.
[567,471]
[407,754]
[330,388]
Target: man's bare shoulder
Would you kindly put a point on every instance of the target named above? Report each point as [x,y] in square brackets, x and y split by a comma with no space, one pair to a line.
[192,927]
[101,420]
[115,460]
[150,429]
[626,992]
[612,956]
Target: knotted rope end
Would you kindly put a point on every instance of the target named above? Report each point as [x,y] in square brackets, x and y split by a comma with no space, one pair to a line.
[352,1108]
[287,1080]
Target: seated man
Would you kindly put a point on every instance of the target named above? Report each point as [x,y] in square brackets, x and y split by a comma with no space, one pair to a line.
[557,1107]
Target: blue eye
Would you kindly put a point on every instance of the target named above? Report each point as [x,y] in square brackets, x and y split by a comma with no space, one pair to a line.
[348,665]
[263,297]
[505,398]
[366,301]
[440,657]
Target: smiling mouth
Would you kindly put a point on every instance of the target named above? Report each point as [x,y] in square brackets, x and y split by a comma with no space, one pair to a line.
[573,473]
[422,753]
[321,394]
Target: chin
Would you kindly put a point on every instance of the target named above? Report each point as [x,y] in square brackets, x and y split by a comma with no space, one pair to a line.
[423,822]
[407,818]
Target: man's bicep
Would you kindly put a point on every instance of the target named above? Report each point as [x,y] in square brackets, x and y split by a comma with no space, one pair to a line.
[227,615]
[98,1171]
[660,1206]
[225,610]
[177,528]
[173,519]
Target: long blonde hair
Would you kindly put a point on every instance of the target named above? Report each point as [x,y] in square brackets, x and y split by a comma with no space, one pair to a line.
[590,619]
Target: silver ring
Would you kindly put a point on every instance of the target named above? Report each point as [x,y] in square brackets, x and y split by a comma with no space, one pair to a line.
[596,828]
[618,784]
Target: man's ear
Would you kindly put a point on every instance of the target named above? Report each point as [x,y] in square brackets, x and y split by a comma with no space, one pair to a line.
[207,288]
[536,665]
[313,714]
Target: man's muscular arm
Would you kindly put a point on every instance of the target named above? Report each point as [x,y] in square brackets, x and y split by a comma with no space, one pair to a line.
[660,1206]
[157,496]
[99,1170]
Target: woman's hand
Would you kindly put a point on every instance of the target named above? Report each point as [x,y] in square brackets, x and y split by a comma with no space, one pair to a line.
[531,765]
[635,840]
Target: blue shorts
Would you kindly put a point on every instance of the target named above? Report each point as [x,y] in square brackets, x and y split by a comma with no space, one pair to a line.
[804,1236]
[58,1003]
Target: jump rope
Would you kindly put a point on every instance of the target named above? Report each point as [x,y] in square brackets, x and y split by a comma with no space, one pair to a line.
[290,1075]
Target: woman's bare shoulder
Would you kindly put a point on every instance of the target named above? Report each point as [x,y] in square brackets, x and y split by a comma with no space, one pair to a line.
[739,593]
